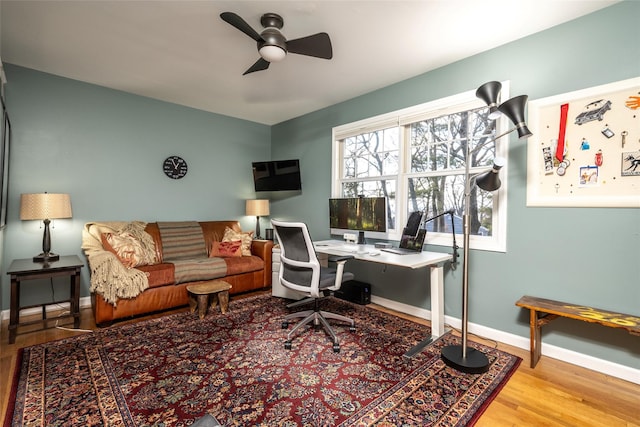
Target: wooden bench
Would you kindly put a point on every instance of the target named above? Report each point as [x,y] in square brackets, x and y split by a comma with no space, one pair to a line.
[543,311]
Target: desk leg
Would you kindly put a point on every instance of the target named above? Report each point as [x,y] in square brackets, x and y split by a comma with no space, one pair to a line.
[14,312]
[437,310]
[75,298]
[437,301]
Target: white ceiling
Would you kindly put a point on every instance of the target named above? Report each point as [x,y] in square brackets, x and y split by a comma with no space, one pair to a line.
[182,52]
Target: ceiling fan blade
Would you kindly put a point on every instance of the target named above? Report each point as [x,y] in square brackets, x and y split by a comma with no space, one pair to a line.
[259,65]
[318,45]
[241,24]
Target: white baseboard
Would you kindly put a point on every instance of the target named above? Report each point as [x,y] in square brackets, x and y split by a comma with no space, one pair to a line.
[599,365]
[84,303]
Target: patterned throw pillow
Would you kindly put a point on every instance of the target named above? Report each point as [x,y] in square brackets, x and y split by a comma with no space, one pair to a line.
[245,238]
[226,249]
[128,249]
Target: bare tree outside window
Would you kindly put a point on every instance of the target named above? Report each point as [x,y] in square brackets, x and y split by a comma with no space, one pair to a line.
[416,158]
[438,157]
[371,167]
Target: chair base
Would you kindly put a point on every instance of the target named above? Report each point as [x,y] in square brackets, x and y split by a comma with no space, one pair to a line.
[318,317]
[303,301]
[309,300]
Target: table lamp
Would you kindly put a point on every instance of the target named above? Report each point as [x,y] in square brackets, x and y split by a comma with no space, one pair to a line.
[258,208]
[45,207]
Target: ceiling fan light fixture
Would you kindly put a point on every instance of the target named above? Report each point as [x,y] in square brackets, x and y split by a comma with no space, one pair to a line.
[272,53]
[273,46]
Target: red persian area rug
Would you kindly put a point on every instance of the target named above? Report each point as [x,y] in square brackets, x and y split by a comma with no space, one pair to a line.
[173,370]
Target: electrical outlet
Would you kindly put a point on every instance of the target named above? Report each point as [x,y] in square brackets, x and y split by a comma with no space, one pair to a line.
[349,237]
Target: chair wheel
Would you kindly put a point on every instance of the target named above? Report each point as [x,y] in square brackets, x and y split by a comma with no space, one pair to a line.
[352,329]
[287,345]
[336,348]
[285,325]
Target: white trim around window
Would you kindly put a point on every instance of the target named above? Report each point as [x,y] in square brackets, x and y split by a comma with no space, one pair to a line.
[402,118]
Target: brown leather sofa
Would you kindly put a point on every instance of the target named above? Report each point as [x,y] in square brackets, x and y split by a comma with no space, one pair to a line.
[243,273]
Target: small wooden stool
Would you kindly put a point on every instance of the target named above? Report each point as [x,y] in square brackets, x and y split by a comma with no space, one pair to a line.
[199,295]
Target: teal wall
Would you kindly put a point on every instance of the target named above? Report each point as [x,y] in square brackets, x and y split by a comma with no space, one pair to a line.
[106,148]
[583,255]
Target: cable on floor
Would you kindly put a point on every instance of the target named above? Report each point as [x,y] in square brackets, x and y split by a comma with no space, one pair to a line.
[65,312]
[493,342]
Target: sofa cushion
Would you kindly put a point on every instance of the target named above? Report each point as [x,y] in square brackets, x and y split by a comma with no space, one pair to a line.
[226,249]
[246,239]
[127,248]
[214,230]
[244,264]
[159,274]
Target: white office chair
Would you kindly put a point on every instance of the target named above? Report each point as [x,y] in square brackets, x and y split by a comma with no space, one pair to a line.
[300,271]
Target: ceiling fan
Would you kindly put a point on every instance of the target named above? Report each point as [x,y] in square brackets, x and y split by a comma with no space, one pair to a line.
[273,46]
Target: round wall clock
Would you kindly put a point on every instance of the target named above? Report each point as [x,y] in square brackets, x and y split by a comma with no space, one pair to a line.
[175,167]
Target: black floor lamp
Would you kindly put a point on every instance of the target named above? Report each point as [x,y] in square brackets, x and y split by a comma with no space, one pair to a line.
[462,357]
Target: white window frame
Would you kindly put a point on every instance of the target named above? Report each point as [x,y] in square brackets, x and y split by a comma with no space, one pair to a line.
[402,118]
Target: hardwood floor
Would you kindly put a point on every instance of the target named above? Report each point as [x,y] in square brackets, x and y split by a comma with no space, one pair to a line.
[555,393]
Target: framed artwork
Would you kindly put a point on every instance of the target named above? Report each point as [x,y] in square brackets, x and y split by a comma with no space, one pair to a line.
[5,145]
[585,148]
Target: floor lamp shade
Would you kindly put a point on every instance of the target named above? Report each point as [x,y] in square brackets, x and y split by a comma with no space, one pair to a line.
[490,181]
[257,208]
[514,109]
[45,207]
[489,93]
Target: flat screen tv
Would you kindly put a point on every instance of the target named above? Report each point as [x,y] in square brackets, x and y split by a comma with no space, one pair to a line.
[359,214]
[277,175]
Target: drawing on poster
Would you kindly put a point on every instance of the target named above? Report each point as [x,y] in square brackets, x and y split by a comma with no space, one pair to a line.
[631,164]
[588,175]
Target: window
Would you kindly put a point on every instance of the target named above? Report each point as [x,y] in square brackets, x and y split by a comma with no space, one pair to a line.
[370,162]
[416,158]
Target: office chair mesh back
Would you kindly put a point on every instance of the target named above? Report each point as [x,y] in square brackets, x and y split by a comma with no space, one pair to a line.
[296,249]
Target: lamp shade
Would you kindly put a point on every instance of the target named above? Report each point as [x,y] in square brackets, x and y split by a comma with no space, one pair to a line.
[257,207]
[489,93]
[514,109]
[490,181]
[45,206]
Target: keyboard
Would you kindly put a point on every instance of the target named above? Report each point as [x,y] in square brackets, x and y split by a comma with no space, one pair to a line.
[345,248]
[400,251]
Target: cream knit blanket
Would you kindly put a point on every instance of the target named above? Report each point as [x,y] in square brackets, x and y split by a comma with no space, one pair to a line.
[109,277]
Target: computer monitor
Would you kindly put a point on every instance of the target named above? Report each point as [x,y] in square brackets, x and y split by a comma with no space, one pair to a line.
[358,214]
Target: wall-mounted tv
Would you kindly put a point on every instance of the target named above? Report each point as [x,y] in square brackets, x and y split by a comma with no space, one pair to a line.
[277,175]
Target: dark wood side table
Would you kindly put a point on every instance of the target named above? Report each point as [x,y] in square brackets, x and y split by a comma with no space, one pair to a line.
[26,269]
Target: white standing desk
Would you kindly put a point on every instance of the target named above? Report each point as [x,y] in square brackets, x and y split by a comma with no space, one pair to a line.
[434,260]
